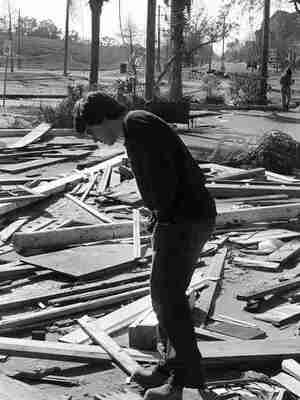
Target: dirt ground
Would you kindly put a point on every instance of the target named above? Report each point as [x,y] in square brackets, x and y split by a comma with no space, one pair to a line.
[104,378]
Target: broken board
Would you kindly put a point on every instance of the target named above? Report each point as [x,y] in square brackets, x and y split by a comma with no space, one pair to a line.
[280,315]
[286,252]
[32,136]
[235,330]
[85,261]
[27,165]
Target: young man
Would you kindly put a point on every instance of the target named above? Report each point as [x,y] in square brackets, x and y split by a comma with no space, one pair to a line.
[286,82]
[172,187]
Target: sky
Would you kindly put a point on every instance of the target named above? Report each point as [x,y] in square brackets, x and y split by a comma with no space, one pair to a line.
[137,9]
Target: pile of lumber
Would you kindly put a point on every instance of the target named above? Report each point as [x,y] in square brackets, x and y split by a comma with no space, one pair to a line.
[87,282]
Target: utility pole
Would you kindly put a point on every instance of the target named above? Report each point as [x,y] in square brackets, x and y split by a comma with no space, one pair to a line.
[265,52]
[66,56]
[223,45]
[96,10]
[150,51]
[19,63]
[10,35]
[158,65]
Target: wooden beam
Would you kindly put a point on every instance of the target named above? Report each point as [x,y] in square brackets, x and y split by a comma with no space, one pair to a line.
[27,165]
[7,232]
[36,134]
[118,355]
[136,234]
[104,180]
[21,321]
[46,350]
[276,288]
[222,190]
[239,175]
[31,299]
[258,214]
[60,238]
[206,301]
[291,367]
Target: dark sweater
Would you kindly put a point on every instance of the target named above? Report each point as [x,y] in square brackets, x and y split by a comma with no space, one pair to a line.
[169,179]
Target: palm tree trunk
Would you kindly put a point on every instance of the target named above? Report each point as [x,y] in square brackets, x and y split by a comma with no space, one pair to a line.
[96,9]
[177,25]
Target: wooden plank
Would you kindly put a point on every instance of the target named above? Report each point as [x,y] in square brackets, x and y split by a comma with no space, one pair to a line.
[91,210]
[286,252]
[265,235]
[251,173]
[258,214]
[21,198]
[111,322]
[225,354]
[28,165]
[255,263]
[235,330]
[289,382]
[118,355]
[12,389]
[15,269]
[97,294]
[291,367]
[85,261]
[276,288]
[104,180]
[279,315]
[36,134]
[60,238]
[89,187]
[34,298]
[21,321]
[205,303]
[43,349]
[7,232]
[136,234]
[222,190]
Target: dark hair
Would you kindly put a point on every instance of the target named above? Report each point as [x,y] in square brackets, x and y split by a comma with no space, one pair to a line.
[94,108]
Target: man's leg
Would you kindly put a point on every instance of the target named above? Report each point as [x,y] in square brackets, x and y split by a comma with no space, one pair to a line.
[176,249]
[283,99]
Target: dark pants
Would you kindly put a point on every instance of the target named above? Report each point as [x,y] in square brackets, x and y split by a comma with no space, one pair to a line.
[285,97]
[176,248]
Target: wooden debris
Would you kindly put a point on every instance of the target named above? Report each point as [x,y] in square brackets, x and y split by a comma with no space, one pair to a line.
[136,234]
[205,303]
[36,134]
[279,315]
[119,356]
[60,238]
[255,263]
[286,252]
[112,322]
[103,217]
[28,165]
[287,381]
[7,232]
[104,180]
[291,367]
[13,323]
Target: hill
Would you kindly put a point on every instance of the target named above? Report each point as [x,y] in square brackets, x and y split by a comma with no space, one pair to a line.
[49,54]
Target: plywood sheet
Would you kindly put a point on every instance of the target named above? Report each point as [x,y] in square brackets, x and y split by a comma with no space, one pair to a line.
[85,260]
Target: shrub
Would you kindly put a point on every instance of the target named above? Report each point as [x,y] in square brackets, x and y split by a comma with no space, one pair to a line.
[61,116]
[245,89]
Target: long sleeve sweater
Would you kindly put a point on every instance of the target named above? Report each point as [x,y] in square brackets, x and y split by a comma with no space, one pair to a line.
[170,181]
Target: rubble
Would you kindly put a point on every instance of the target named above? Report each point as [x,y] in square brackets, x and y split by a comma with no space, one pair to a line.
[57,266]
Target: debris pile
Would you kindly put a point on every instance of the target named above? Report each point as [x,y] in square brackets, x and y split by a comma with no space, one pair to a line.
[81,279]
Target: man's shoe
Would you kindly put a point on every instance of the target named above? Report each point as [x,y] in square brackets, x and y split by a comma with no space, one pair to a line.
[165,392]
[151,378]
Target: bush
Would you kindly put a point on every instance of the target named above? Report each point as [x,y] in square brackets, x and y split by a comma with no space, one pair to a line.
[61,116]
[245,89]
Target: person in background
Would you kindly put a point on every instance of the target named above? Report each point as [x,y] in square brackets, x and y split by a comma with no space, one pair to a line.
[286,81]
[172,186]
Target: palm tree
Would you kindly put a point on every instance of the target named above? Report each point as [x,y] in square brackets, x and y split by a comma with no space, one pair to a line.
[178,8]
[96,10]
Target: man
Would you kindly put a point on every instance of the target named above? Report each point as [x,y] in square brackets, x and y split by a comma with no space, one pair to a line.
[172,187]
[286,82]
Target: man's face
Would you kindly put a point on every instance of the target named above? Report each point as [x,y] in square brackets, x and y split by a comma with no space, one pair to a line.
[107,132]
